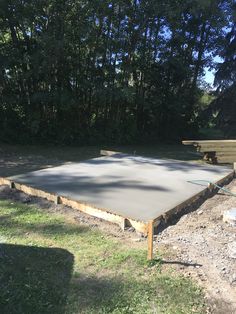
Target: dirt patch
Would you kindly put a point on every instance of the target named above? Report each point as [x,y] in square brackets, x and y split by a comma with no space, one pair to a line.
[203,247]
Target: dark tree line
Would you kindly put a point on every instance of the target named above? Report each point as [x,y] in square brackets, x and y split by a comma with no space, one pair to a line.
[223,109]
[117,71]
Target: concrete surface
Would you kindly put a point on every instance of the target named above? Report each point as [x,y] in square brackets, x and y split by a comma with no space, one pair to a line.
[132,186]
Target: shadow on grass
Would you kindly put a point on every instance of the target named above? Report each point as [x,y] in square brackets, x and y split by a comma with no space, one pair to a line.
[91,294]
[182,263]
[45,229]
[26,219]
[159,262]
[130,294]
[34,279]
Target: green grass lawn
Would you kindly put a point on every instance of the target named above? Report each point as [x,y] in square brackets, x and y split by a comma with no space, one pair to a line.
[49,264]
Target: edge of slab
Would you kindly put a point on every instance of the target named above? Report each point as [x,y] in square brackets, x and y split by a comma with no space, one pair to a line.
[106,214]
[190,201]
[86,208]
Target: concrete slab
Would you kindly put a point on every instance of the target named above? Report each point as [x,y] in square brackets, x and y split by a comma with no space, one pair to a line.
[134,187]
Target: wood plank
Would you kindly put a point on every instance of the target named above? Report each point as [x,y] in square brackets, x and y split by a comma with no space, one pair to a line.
[203,146]
[226,160]
[4,181]
[108,152]
[211,141]
[140,226]
[221,154]
[224,154]
[218,143]
[36,192]
[150,240]
[93,211]
[190,143]
[218,149]
[215,147]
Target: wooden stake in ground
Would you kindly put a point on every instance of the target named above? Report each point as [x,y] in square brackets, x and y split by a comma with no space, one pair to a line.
[150,240]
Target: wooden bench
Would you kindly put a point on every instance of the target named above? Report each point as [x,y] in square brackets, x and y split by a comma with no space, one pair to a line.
[215,151]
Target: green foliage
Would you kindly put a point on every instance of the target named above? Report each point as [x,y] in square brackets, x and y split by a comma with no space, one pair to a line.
[222,110]
[104,71]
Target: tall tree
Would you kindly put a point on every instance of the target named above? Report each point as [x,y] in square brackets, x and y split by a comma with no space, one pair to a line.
[113,70]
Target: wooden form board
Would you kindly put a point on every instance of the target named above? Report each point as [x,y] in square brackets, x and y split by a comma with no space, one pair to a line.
[89,209]
[150,240]
[209,142]
[108,152]
[226,159]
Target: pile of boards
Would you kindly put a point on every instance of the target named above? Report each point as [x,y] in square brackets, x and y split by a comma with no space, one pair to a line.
[215,151]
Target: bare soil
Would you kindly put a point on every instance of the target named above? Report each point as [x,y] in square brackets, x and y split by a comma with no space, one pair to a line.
[203,247]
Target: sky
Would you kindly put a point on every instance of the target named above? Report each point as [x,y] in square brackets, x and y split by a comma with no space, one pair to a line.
[209,76]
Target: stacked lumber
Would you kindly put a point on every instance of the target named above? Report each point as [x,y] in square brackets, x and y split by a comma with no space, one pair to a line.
[216,151]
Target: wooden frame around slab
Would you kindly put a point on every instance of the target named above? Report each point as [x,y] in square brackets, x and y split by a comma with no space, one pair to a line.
[146,228]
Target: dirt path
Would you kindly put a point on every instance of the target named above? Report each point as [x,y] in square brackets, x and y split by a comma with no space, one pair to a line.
[203,247]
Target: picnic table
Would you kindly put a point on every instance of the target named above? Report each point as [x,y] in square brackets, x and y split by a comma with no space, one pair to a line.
[215,151]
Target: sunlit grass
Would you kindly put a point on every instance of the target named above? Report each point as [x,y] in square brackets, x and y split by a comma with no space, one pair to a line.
[103,274]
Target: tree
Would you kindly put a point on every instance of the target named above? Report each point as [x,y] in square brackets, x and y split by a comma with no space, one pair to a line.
[105,71]
[223,108]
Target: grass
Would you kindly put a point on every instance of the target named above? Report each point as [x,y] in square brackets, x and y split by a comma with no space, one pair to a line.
[48,264]
[73,153]
[17,159]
